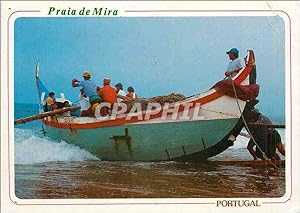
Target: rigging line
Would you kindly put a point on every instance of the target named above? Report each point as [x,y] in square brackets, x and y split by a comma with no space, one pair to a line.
[209,110]
[247,128]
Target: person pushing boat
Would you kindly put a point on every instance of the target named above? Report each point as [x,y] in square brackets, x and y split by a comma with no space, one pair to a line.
[268,139]
[90,89]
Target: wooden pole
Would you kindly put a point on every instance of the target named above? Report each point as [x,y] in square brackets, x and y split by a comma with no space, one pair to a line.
[46,114]
[268,125]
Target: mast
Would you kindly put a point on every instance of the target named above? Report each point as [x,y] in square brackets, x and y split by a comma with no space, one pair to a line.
[37,80]
[42,90]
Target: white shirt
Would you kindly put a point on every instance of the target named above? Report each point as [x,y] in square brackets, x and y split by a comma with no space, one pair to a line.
[235,64]
[123,93]
[67,114]
[84,102]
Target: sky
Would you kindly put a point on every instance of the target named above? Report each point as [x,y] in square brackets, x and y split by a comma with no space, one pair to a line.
[155,55]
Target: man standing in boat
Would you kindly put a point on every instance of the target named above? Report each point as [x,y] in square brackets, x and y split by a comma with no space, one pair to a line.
[236,63]
[90,89]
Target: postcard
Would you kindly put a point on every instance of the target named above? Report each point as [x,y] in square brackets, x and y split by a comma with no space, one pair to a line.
[149,106]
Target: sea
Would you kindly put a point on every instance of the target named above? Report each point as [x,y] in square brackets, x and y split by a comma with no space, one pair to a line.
[48,169]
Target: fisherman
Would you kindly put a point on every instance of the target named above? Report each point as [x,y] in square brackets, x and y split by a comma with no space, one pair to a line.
[236,63]
[107,93]
[84,104]
[66,105]
[50,102]
[121,94]
[131,94]
[268,139]
[90,89]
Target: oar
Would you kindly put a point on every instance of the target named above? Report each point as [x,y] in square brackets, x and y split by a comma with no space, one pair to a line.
[46,114]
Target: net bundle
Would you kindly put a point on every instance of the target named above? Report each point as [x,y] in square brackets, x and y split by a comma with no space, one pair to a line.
[171,98]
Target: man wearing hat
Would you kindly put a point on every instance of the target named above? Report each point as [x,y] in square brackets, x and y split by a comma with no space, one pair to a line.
[89,88]
[236,64]
[107,93]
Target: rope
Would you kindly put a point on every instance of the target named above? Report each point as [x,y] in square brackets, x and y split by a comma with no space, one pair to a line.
[219,112]
[247,128]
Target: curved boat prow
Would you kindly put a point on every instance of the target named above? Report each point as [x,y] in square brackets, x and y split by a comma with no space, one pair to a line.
[250,59]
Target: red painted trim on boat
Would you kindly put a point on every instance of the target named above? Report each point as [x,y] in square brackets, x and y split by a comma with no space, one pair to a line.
[123,121]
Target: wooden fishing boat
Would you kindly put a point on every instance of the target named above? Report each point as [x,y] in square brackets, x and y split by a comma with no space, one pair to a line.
[155,139]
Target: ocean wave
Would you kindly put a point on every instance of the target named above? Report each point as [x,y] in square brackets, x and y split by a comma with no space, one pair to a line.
[31,147]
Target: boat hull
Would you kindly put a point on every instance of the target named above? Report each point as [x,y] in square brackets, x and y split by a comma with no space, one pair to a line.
[148,142]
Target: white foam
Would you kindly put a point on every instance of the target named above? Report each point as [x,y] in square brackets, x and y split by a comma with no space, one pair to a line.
[241,142]
[31,148]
